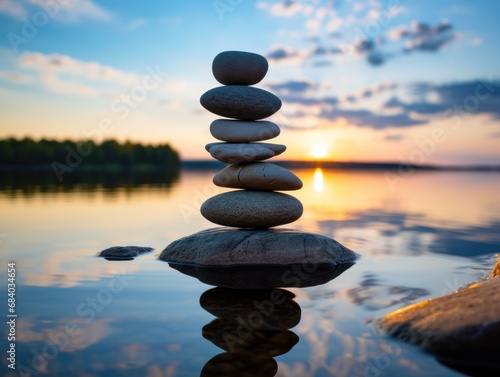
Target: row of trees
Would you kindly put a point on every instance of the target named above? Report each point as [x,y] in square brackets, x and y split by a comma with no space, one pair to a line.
[110,152]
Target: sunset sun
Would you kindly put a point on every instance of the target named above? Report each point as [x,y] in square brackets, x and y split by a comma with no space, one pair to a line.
[319,151]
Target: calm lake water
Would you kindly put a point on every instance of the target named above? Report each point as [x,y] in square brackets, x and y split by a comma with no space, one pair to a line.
[80,315]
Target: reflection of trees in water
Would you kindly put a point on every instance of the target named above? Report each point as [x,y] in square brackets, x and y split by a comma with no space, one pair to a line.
[26,182]
[252,327]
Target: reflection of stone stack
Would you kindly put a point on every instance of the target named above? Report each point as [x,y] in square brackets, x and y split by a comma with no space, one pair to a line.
[257,205]
[252,327]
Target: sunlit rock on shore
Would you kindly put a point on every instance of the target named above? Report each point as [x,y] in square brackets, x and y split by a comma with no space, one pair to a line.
[462,328]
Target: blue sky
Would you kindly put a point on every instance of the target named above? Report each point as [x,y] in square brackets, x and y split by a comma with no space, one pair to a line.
[359,80]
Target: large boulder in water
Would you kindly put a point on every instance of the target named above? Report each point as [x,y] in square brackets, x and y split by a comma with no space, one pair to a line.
[218,247]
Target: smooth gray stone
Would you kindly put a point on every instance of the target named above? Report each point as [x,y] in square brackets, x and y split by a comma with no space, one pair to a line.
[238,153]
[239,68]
[124,252]
[251,209]
[240,102]
[222,247]
[242,131]
[257,176]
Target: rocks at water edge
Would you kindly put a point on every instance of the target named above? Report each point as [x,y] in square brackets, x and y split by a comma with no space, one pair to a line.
[237,153]
[456,324]
[257,176]
[239,68]
[239,131]
[251,209]
[240,102]
[124,252]
[496,270]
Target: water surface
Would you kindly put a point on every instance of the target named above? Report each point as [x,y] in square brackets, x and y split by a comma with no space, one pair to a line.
[80,315]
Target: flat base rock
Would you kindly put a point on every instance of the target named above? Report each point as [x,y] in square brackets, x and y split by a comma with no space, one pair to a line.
[453,326]
[219,247]
[124,252]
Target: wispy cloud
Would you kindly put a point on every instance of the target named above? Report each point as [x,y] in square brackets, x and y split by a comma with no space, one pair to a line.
[393,137]
[292,86]
[420,36]
[13,8]
[494,135]
[64,74]
[370,92]
[57,85]
[16,77]
[370,119]
[67,11]
[417,107]
[137,23]
[281,54]
[285,8]
[396,113]
[58,64]
[169,104]
[321,18]
[482,97]
[319,50]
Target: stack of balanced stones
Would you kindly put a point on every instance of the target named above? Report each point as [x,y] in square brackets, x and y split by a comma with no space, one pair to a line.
[250,214]
[257,204]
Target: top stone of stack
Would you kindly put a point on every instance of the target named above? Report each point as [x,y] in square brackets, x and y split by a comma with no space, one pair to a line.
[239,68]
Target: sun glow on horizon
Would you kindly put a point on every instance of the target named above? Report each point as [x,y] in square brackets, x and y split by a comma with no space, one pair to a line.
[319,151]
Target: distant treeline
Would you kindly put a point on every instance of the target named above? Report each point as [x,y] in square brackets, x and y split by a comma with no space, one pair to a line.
[86,152]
